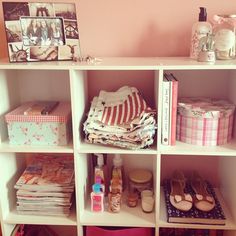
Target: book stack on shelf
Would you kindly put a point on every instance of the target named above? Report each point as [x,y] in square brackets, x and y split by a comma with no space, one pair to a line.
[46,186]
[169,105]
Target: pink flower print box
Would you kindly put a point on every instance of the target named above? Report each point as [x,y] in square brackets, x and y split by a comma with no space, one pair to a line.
[53,129]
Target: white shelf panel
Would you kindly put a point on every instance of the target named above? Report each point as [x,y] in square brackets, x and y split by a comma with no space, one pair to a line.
[182,148]
[14,218]
[115,63]
[186,63]
[127,217]
[94,148]
[7,147]
[230,224]
[124,63]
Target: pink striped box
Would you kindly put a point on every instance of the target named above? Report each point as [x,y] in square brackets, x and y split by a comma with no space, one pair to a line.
[204,122]
[53,129]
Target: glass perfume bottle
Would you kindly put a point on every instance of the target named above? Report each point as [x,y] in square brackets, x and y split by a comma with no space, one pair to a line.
[224,36]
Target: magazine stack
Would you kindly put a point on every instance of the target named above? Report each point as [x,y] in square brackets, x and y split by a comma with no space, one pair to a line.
[46,187]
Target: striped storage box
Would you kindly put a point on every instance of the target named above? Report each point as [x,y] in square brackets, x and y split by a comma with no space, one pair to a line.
[53,129]
[204,122]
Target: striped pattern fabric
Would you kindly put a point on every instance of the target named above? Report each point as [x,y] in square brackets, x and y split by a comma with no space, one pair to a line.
[120,118]
[132,108]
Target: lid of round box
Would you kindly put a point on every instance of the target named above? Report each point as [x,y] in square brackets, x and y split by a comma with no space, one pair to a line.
[140,175]
[205,107]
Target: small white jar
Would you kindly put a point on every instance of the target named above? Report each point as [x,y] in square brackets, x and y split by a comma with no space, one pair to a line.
[147,204]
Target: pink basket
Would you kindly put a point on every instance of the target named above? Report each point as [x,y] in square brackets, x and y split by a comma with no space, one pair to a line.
[98,231]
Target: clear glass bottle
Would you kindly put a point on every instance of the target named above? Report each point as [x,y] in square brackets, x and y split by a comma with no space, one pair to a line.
[224,36]
[118,170]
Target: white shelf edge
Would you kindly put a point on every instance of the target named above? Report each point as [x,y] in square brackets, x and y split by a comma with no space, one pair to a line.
[124,63]
[95,148]
[14,218]
[128,217]
[5,146]
[230,224]
[182,148]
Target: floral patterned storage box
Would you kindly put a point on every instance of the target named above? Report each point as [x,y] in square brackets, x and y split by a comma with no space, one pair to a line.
[52,129]
[204,122]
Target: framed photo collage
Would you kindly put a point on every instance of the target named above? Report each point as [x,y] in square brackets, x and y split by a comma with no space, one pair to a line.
[41,31]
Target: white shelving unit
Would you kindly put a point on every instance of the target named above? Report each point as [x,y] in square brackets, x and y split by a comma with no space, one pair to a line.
[79,83]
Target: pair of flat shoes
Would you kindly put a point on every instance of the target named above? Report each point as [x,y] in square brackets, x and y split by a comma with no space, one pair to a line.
[201,199]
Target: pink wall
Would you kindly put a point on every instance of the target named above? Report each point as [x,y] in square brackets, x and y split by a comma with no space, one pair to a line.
[136,27]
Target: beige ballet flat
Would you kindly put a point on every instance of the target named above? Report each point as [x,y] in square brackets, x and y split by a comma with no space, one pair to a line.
[180,200]
[202,199]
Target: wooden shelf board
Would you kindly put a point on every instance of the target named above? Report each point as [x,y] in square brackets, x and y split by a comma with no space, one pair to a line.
[230,224]
[123,63]
[7,147]
[182,148]
[94,148]
[14,218]
[127,217]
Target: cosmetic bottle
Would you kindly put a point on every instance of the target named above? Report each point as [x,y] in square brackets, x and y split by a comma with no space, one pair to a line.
[118,170]
[114,198]
[99,169]
[97,199]
[199,30]
[101,172]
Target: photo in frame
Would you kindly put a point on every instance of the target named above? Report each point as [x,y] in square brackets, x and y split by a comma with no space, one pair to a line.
[41,31]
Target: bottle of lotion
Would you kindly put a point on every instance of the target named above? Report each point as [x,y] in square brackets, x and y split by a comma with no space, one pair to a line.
[97,199]
[100,172]
[200,30]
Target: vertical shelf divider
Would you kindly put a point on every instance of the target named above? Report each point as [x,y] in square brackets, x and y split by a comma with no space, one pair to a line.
[78,89]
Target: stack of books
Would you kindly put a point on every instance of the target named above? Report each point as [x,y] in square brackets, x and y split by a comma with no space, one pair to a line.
[46,186]
[169,109]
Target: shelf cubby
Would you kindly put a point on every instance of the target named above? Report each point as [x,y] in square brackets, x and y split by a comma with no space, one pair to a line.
[22,85]
[136,216]
[87,84]
[211,169]
[14,165]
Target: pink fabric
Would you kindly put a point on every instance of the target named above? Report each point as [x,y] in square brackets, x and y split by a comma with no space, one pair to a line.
[119,114]
[61,114]
[97,231]
[204,131]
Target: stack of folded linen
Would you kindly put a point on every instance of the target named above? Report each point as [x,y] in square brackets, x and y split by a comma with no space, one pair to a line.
[120,118]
